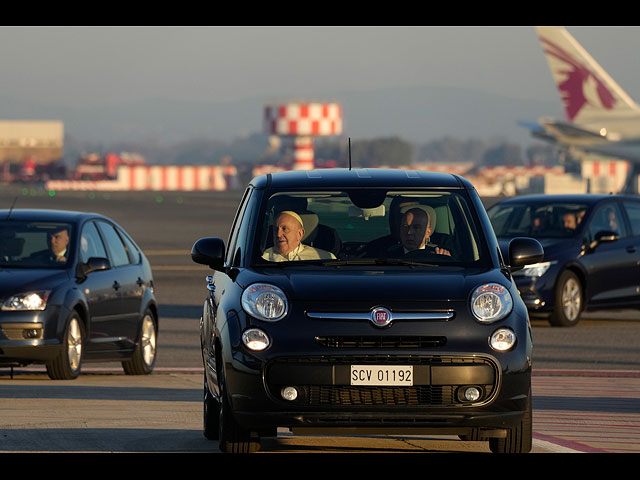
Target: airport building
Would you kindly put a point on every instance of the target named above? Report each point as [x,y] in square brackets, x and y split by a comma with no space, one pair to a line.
[40,141]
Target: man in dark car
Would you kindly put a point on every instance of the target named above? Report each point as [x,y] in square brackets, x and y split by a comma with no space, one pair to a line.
[58,240]
[416,225]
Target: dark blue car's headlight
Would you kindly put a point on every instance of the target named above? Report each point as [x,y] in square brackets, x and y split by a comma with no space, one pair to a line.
[265,302]
[535,269]
[35,300]
[491,302]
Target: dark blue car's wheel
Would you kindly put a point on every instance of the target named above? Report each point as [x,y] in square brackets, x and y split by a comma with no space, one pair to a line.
[144,356]
[211,414]
[569,300]
[232,437]
[67,364]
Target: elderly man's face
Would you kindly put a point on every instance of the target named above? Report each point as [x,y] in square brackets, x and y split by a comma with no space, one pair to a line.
[59,241]
[287,234]
[414,229]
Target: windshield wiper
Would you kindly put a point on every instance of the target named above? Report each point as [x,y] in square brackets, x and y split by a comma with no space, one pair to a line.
[376,261]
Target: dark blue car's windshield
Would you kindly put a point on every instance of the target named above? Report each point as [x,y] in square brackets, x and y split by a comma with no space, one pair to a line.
[369,227]
[35,244]
[551,220]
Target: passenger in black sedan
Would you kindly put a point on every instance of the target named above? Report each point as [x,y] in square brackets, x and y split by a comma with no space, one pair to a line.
[287,241]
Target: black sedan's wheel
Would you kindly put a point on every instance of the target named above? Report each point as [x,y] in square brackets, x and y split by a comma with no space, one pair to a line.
[569,301]
[232,437]
[144,356]
[67,364]
[518,439]
[210,415]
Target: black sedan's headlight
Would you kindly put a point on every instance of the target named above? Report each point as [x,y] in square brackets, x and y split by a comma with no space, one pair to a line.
[491,302]
[265,302]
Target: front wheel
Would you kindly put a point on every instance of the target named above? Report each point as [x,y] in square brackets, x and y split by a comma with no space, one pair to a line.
[568,302]
[210,414]
[144,356]
[67,364]
[232,437]
[519,439]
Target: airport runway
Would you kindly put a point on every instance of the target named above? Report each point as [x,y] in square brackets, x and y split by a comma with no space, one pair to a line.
[586,379]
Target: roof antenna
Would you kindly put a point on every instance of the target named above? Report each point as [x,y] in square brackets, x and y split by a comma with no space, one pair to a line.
[349,153]
[11,209]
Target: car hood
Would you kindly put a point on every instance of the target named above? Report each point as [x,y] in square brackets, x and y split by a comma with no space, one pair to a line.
[17,280]
[430,284]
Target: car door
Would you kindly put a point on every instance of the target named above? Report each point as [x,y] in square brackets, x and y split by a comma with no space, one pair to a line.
[128,284]
[102,298]
[631,209]
[611,266]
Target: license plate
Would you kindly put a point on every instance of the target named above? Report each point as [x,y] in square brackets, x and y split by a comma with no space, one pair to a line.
[394,375]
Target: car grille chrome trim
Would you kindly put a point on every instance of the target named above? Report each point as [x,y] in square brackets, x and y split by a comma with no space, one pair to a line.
[362,341]
[430,316]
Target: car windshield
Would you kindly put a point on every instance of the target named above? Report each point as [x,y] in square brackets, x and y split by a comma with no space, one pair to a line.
[549,220]
[34,244]
[369,226]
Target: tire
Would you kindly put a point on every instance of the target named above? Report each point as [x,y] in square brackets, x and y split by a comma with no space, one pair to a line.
[210,415]
[144,355]
[232,438]
[569,301]
[68,363]
[519,439]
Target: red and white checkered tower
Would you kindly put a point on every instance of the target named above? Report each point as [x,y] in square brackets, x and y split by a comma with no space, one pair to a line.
[302,121]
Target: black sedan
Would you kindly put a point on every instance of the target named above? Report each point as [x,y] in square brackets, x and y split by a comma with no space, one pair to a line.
[74,288]
[591,252]
[364,301]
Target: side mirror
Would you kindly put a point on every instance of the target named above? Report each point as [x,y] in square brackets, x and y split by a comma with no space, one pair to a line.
[209,251]
[94,264]
[603,236]
[524,251]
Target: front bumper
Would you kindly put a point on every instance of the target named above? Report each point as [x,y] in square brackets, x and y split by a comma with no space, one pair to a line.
[327,400]
[28,337]
[538,293]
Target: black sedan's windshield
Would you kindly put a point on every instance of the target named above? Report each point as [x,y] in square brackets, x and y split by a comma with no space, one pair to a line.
[551,220]
[369,227]
[34,244]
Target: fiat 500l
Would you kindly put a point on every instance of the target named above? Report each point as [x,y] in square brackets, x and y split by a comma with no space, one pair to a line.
[365,301]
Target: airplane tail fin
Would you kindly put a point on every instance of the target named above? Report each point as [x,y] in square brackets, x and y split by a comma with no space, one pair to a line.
[586,89]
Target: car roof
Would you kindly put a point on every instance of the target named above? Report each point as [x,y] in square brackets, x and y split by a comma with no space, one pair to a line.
[48,215]
[587,198]
[359,177]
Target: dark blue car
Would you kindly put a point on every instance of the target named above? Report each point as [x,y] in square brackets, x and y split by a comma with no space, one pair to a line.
[74,287]
[591,252]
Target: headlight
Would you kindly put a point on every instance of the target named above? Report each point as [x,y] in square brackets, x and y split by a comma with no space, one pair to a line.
[491,302]
[264,302]
[27,301]
[535,269]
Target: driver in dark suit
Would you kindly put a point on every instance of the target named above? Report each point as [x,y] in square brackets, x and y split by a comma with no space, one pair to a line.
[416,226]
[58,241]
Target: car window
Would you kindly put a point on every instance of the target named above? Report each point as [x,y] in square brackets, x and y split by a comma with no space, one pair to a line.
[90,243]
[607,218]
[633,213]
[132,249]
[116,248]
[233,234]
[368,225]
[26,244]
[551,220]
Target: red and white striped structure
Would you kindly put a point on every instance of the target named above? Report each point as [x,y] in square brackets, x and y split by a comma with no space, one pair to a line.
[303,121]
[605,175]
[157,178]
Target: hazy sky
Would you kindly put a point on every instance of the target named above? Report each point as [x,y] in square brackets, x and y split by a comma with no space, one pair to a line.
[108,66]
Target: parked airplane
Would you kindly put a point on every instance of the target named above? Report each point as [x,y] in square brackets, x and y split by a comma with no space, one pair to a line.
[600,116]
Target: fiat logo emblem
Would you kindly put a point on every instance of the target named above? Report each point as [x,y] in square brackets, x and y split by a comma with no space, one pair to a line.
[380,317]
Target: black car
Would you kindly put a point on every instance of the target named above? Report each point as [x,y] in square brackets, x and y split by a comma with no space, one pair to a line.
[349,333]
[74,288]
[591,252]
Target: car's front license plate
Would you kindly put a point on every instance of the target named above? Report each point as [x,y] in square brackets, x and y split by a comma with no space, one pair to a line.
[394,375]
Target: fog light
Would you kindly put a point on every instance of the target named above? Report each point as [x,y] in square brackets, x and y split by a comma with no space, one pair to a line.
[32,333]
[289,393]
[472,394]
[502,340]
[255,339]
